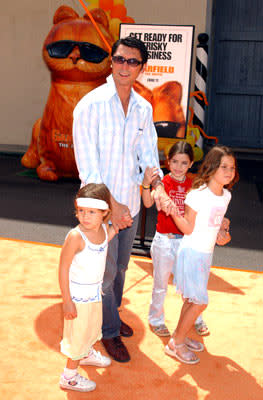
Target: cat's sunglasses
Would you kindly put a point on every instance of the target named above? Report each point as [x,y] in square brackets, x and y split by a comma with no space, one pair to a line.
[88,51]
[132,62]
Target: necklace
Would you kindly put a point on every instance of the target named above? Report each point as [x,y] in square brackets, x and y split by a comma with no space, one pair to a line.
[177,180]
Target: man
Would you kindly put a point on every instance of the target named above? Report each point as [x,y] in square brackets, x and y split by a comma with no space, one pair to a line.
[114,141]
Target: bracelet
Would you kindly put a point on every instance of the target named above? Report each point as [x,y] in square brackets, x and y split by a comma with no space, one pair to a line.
[146,186]
[157,182]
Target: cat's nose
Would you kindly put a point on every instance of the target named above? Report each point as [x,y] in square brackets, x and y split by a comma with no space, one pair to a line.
[75,55]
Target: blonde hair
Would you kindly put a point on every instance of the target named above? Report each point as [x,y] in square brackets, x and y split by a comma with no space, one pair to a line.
[210,165]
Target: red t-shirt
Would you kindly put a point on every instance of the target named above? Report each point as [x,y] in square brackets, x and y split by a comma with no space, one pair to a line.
[177,191]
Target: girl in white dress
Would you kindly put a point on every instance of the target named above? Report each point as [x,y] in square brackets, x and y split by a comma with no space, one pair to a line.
[203,226]
[81,269]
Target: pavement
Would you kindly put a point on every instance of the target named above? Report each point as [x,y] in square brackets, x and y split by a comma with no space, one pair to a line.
[38,211]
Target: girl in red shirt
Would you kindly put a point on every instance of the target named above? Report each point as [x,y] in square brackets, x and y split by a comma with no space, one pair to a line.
[167,237]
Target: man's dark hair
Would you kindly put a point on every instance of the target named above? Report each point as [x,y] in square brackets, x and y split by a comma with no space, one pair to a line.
[134,43]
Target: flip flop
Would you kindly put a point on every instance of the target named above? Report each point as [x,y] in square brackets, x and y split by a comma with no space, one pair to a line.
[160,330]
[182,353]
[202,329]
[194,345]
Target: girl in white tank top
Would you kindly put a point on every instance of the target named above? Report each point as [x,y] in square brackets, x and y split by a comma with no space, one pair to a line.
[81,270]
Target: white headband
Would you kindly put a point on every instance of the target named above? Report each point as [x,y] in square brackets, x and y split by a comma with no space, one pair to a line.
[92,203]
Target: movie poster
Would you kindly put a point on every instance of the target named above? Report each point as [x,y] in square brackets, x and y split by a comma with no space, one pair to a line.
[166,80]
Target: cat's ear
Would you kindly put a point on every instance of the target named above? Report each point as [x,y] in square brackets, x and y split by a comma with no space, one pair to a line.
[63,13]
[99,16]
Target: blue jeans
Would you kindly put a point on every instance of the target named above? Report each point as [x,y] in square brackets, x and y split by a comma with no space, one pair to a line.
[118,257]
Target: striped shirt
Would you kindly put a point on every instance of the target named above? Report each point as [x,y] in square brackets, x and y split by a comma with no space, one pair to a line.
[113,148]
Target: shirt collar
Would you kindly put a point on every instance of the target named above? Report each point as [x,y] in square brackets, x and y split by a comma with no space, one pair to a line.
[113,91]
[111,86]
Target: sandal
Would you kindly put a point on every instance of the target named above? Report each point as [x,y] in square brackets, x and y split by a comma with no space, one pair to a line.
[194,345]
[182,353]
[202,329]
[160,330]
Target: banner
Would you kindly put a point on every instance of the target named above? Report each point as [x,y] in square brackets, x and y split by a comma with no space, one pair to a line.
[166,80]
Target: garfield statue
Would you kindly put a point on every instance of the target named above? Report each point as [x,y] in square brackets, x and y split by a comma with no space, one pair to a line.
[79,62]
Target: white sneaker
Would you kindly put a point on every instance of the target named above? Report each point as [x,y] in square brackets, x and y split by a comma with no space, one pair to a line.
[96,358]
[78,383]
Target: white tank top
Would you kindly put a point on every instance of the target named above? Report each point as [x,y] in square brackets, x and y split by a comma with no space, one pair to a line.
[87,270]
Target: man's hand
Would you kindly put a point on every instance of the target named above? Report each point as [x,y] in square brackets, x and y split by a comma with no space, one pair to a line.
[149,175]
[121,217]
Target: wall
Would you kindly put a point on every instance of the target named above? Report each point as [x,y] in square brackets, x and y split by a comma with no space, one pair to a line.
[25,79]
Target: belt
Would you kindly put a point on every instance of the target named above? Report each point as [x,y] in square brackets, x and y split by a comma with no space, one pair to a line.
[173,235]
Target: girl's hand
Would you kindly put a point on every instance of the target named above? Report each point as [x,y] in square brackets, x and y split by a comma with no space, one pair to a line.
[149,175]
[162,200]
[70,311]
[175,210]
[225,224]
[223,237]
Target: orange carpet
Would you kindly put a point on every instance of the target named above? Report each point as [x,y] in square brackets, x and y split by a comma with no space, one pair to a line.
[231,367]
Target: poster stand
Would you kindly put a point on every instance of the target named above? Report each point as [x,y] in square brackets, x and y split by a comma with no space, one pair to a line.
[167,79]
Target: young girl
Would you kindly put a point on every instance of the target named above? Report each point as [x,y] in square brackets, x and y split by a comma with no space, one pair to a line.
[203,225]
[167,237]
[81,269]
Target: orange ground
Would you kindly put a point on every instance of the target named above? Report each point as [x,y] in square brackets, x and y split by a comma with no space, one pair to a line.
[231,368]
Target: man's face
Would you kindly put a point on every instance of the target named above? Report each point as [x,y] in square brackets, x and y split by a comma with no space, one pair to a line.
[124,74]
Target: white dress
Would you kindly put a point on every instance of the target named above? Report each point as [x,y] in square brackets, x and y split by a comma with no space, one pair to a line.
[196,250]
[86,274]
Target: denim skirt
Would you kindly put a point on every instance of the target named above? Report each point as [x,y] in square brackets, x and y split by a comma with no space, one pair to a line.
[192,273]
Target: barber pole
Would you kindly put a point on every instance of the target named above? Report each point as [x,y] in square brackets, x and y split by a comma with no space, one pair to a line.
[200,82]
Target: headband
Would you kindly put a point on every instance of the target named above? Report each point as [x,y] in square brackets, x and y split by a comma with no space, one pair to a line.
[92,203]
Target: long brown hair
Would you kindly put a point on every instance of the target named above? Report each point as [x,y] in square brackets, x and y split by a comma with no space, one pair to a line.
[211,163]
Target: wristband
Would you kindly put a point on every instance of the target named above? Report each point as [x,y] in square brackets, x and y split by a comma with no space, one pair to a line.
[146,186]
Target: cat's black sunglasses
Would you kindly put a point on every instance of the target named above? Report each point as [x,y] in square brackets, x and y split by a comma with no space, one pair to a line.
[88,51]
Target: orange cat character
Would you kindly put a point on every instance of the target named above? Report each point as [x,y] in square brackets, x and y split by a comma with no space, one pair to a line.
[166,103]
[79,62]
[143,91]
